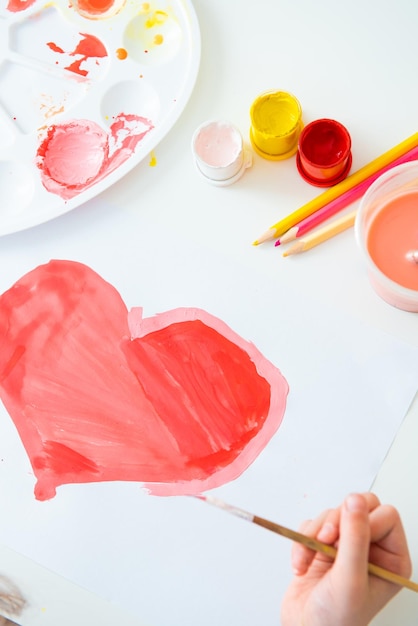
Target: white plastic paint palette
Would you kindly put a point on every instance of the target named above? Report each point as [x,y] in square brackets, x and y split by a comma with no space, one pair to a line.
[87,90]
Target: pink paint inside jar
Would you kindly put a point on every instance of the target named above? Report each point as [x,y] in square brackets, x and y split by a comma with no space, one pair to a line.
[324,152]
[218,144]
[219,151]
[392,240]
[387,233]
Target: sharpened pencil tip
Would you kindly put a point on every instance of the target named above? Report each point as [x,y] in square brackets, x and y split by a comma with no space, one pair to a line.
[295,249]
[292,251]
[289,235]
[267,236]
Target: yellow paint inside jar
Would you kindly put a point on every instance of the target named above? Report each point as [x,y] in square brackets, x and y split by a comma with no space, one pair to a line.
[276,122]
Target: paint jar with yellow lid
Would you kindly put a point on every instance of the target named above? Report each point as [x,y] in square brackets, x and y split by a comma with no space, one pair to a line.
[276,123]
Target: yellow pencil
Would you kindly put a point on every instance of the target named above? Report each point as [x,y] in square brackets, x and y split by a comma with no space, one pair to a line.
[322,234]
[278,229]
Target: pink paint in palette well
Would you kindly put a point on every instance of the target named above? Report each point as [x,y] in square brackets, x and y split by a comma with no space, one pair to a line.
[78,153]
[177,402]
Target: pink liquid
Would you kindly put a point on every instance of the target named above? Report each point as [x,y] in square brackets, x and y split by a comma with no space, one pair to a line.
[393,236]
[218,145]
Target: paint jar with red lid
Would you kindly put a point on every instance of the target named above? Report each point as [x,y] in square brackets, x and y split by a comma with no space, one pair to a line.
[324,153]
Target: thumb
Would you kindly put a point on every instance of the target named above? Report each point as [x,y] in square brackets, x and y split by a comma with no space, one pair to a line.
[354,542]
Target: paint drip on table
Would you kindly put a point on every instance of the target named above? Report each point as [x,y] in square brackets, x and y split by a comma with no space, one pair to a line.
[177,402]
[87,90]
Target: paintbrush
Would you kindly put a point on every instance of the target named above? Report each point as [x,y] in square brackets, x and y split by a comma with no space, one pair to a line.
[309,542]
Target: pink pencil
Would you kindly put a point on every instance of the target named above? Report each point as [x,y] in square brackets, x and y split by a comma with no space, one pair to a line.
[342,201]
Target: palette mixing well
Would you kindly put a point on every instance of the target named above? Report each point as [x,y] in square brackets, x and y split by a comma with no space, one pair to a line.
[87,90]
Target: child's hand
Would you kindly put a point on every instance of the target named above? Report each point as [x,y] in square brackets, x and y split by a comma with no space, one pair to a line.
[341,592]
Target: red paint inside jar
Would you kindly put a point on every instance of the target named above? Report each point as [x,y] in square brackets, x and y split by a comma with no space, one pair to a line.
[324,150]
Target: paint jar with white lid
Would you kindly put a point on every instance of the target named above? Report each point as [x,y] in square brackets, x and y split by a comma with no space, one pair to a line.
[219,152]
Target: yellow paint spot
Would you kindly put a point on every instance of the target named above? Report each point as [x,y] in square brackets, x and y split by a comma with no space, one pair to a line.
[145,7]
[153,159]
[157,18]
[121,54]
[153,36]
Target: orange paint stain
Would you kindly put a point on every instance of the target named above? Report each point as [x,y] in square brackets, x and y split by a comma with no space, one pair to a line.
[90,46]
[87,47]
[76,68]
[54,47]
[121,54]
[49,110]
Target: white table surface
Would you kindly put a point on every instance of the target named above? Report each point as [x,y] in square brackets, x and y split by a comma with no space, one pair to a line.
[395,484]
[357,63]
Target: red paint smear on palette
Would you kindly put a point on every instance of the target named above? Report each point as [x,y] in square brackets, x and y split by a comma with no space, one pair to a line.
[53,46]
[177,402]
[79,153]
[19,5]
[88,47]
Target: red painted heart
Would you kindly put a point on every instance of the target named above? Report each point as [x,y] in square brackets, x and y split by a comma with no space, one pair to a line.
[178,402]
